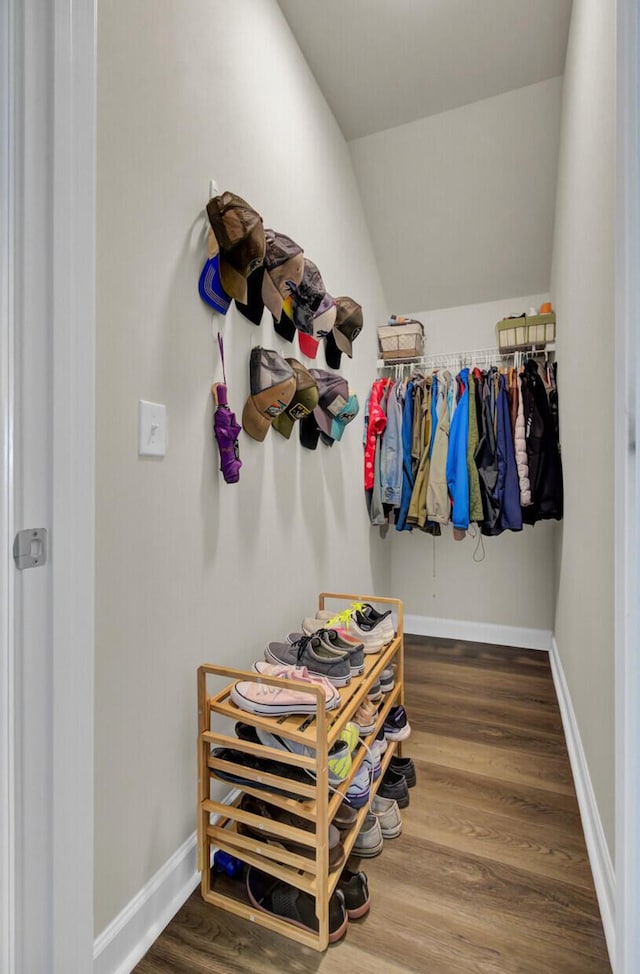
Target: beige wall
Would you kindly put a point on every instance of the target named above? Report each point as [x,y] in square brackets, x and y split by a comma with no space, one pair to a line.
[582,283]
[460,205]
[514,584]
[190,569]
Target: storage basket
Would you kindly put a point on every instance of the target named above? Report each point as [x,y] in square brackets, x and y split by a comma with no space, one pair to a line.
[401,343]
[523,332]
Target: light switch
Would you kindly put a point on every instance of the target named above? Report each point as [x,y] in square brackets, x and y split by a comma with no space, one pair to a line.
[152,429]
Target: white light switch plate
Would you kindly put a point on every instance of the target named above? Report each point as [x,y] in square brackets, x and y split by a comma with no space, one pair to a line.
[152,429]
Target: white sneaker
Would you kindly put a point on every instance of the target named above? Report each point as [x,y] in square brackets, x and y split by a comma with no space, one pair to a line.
[382,619]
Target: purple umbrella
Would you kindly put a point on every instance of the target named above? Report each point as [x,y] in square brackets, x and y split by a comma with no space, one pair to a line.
[226,428]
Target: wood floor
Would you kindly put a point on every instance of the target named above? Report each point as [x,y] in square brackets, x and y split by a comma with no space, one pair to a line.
[490,875]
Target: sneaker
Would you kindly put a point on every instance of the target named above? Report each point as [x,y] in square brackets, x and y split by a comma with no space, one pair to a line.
[375,692]
[272,813]
[262,766]
[348,625]
[310,626]
[396,725]
[339,755]
[383,619]
[332,640]
[302,674]
[381,741]
[355,889]
[310,652]
[369,841]
[359,789]
[278,899]
[387,679]
[261,698]
[372,760]
[405,767]
[351,734]
[345,817]
[394,785]
[366,717]
[388,814]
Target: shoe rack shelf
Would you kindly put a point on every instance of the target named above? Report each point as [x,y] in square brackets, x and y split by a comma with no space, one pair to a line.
[218,821]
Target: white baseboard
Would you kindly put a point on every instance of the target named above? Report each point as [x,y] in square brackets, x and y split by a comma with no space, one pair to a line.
[597,848]
[479,632]
[128,937]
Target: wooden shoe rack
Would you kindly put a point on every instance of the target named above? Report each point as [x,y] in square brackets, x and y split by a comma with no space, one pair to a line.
[217,821]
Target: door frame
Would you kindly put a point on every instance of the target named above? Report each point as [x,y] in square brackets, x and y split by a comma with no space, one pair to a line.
[627,490]
[48,57]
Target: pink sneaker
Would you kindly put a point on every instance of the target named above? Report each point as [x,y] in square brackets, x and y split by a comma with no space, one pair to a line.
[301,673]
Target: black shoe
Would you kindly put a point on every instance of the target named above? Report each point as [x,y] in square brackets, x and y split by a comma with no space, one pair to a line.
[355,889]
[395,786]
[406,767]
[279,899]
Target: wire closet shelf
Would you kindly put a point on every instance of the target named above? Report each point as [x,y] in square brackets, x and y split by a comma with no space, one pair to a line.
[483,358]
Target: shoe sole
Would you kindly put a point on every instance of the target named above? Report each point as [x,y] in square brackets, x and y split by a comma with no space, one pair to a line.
[391,833]
[333,937]
[365,728]
[357,801]
[361,911]
[337,681]
[368,853]
[398,735]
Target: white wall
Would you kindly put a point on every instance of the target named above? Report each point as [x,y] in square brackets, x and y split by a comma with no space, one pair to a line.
[190,569]
[460,205]
[514,584]
[582,284]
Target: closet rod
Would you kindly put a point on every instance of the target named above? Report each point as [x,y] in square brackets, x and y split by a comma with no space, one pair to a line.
[459,359]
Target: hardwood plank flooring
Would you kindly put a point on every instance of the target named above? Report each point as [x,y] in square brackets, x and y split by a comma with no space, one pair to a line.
[490,875]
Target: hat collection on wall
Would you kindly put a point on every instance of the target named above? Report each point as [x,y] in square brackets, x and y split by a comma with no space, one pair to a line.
[260,268]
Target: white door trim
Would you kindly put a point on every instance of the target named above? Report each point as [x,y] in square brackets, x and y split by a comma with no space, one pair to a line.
[627,490]
[7,715]
[73,556]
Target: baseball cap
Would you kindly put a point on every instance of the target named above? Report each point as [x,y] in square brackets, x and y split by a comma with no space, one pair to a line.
[307,296]
[309,432]
[239,233]
[273,384]
[347,327]
[337,404]
[304,401]
[210,286]
[322,322]
[284,326]
[253,309]
[284,266]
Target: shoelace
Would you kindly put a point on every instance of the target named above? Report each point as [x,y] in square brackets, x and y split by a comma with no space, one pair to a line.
[342,617]
[301,644]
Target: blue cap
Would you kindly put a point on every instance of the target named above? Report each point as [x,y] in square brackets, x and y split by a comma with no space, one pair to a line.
[210,286]
[346,414]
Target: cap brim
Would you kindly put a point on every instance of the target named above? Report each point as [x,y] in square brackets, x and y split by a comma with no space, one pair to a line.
[271,296]
[210,287]
[254,307]
[253,421]
[233,281]
[283,424]
[308,344]
[344,344]
[332,354]
[323,420]
[285,327]
[309,432]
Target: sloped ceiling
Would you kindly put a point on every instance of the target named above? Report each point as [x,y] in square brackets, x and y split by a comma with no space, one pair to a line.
[453,126]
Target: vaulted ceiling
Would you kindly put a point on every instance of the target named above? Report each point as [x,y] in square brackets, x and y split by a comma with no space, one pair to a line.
[460,206]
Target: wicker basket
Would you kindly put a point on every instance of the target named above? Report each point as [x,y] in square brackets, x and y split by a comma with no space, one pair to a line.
[401,343]
[523,332]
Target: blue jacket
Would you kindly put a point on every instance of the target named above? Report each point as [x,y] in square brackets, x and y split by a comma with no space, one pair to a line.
[457,470]
[391,460]
[407,471]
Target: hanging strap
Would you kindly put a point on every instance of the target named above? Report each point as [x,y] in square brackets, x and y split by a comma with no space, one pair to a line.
[221,347]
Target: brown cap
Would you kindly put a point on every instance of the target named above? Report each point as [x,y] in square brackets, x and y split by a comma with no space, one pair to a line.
[284,266]
[240,236]
[304,401]
[273,385]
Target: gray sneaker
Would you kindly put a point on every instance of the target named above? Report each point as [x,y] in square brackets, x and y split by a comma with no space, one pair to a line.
[334,641]
[388,814]
[369,840]
[311,652]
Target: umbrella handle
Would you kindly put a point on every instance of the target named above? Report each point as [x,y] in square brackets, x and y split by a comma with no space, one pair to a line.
[221,347]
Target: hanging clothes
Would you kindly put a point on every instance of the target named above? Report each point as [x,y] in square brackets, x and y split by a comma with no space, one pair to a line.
[407,469]
[457,473]
[475,498]
[509,488]
[543,452]
[438,505]
[391,456]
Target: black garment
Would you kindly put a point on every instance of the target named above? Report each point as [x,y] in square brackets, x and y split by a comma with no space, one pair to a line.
[543,453]
[486,455]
